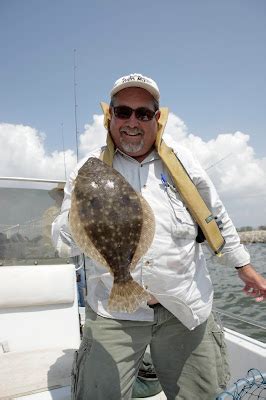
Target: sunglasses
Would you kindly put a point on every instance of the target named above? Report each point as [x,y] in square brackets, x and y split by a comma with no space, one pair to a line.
[141,113]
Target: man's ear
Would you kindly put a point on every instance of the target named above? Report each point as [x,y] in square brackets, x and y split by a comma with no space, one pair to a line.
[158,114]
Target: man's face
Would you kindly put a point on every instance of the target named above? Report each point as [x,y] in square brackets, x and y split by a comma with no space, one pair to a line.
[133,136]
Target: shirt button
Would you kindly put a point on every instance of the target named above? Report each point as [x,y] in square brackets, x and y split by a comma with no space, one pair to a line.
[144,186]
[147,263]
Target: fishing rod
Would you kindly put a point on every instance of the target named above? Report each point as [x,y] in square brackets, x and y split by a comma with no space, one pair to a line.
[75,99]
[218,162]
[63,142]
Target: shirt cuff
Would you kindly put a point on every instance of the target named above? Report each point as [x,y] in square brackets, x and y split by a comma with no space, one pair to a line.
[235,258]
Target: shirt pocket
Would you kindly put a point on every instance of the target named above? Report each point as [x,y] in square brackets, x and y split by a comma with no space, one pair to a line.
[221,356]
[183,226]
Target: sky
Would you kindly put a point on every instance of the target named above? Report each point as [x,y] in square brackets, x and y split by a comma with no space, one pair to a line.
[208,58]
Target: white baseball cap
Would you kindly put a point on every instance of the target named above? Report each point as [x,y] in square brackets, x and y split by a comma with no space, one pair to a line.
[136,80]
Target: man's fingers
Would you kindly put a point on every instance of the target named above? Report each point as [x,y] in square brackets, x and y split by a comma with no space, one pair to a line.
[247,289]
[259,295]
[260,298]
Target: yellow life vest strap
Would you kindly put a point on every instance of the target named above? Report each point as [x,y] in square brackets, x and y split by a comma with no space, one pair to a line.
[108,154]
[186,188]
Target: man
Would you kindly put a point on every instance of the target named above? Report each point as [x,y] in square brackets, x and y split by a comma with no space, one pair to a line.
[186,345]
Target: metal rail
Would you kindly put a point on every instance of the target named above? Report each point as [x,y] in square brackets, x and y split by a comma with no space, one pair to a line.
[233,316]
[9,178]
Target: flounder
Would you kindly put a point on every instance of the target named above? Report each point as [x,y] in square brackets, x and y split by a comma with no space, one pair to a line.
[114,225]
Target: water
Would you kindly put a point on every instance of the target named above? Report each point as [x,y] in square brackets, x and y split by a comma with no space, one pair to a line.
[228,295]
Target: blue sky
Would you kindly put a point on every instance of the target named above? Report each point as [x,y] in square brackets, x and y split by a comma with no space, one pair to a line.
[208,58]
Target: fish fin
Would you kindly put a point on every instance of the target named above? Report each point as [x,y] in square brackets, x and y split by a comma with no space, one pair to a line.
[127,296]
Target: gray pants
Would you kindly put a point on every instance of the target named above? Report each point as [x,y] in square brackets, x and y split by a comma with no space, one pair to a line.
[191,365]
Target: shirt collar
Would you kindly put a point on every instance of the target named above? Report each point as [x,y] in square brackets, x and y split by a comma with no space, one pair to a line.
[150,157]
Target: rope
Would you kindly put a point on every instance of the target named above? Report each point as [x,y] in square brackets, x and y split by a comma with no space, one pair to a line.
[253,387]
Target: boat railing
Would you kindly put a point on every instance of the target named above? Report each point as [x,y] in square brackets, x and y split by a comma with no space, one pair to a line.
[241,319]
[20,179]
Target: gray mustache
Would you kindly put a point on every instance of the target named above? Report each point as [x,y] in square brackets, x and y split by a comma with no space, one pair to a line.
[131,131]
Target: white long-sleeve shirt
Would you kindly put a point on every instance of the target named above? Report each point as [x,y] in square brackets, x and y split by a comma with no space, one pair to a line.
[174,269]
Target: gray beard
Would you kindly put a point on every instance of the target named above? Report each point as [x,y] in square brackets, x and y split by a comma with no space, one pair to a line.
[131,148]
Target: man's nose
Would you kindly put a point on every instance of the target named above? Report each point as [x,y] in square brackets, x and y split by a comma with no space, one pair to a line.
[133,121]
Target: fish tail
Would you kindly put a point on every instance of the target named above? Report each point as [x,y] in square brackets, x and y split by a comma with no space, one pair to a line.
[127,296]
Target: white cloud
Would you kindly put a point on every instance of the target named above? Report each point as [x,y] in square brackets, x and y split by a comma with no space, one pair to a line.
[93,136]
[22,154]
[176,128]
[239,176]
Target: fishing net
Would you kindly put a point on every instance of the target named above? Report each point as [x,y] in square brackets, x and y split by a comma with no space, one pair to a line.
[253,387]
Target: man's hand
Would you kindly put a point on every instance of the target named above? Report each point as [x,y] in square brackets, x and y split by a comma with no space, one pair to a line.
[255,284]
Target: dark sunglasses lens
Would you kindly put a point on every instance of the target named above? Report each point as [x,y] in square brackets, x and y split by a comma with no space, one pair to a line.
[123,112]
[144,114]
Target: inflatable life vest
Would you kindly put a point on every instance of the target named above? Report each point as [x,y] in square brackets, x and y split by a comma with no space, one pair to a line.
[183,183]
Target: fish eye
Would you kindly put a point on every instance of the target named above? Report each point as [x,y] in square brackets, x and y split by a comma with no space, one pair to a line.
[125,199]
[95,202]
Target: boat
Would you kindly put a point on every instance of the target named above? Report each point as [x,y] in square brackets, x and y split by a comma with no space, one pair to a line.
[40,319]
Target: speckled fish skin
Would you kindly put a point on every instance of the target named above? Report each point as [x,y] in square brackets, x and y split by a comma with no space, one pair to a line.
[108,221]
